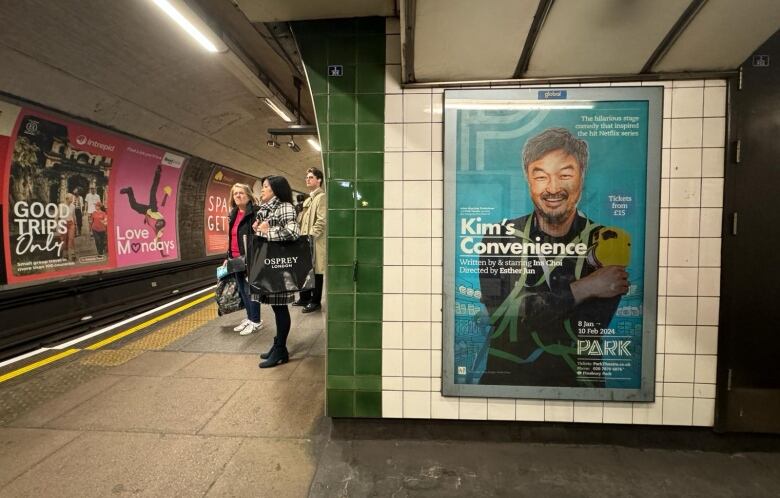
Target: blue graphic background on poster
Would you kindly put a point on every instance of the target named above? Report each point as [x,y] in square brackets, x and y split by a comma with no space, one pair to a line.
[490,184]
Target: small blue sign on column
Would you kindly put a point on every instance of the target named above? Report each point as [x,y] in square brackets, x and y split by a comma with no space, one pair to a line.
[336,71]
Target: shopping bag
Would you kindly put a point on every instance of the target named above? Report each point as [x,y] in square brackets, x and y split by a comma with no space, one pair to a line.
[275,267]
[228,298]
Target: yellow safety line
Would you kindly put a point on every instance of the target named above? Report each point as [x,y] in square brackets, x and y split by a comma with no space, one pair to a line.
[147,323]
[33,366]
[46,361]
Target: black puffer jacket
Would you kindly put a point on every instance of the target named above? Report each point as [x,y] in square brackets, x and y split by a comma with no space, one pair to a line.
[244,228]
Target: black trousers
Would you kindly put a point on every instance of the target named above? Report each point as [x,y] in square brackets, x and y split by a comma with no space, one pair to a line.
[314,296]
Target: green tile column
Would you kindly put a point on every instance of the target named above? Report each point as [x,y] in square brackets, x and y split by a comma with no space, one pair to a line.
[350,117]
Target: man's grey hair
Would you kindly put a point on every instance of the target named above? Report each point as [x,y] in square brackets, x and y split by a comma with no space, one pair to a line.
[553,139]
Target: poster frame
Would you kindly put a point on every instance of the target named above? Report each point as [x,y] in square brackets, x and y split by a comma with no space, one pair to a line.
[653,95]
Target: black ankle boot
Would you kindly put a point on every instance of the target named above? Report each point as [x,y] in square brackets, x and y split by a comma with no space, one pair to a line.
[278,356]
[264,356]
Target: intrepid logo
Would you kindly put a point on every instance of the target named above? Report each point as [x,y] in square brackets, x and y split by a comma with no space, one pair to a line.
[31,128]
[83,140]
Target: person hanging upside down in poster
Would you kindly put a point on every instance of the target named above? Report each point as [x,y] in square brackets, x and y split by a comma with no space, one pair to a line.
[151,214]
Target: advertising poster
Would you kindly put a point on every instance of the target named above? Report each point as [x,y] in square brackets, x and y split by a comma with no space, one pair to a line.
[551,242]
[146,186]
[56,171]
[217,207]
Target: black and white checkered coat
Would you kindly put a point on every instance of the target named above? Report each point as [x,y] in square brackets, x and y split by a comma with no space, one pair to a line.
[283,226]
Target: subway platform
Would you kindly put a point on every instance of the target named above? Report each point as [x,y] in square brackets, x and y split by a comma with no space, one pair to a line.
[180,408]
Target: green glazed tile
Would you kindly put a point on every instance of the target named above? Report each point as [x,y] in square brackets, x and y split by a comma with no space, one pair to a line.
[368,335]
[323,136]
[346,83]
[368,223]
[369,251]
[341,223]
[341,27]
[368,404]
[369,279]
[368,382]
[371,108]
[368,362]
[342,165]
[341,194]
[318,81]
[371,78]
[340,279]
[341,306]
[341,382]
[342,137]
[341,251]
[369,307]
[321,107]
[371,137]
[341,403]
[369,195]
[342,50]
[370,166]
[310,29]
[341,362]
[370,25]
[341,108]
[371,49]
[340,334]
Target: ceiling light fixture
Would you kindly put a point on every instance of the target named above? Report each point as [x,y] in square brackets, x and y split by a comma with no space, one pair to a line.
[293,146]
[232,57]
[315,144]
[278,110]
[191,23]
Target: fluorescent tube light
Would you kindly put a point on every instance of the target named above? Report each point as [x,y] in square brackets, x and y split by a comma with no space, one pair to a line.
[315,144]
[181,19]
[278,110]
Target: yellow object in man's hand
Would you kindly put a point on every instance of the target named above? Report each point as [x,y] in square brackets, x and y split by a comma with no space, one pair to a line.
[612,247]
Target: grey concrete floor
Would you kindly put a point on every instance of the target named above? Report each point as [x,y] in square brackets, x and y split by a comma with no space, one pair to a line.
[181,409]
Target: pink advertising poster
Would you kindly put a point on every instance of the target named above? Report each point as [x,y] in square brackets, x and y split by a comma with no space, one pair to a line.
[145,188]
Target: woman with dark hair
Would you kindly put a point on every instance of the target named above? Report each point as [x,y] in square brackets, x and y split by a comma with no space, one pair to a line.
[276,222]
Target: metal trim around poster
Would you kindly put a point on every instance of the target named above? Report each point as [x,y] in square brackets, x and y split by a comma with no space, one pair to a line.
[513,326]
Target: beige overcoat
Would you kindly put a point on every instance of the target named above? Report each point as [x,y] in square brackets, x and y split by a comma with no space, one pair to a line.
[314,223]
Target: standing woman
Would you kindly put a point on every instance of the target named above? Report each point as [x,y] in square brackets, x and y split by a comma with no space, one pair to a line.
[276,222]
[242,214]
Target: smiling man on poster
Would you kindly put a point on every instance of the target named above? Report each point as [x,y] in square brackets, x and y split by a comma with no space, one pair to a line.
[554,276]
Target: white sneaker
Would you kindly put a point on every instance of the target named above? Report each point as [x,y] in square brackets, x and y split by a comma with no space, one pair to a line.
[241,326]
[251,327]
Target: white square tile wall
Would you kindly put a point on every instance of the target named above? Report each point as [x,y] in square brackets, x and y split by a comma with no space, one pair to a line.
[689,277]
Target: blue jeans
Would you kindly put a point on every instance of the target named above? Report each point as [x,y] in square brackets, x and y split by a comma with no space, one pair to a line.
[252,307]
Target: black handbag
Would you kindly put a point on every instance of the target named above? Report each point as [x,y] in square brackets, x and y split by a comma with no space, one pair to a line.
[286,266]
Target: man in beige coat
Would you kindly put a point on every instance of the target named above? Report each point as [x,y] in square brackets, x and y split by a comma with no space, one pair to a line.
[313,222]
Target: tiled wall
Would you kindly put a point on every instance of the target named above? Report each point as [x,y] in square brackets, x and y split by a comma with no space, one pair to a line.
[350,117]
[689,277]
[386,212]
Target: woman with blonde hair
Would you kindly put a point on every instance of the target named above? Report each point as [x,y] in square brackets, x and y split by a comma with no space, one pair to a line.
[242,214]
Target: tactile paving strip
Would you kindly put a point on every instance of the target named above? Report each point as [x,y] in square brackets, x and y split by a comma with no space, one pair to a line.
[110,357]
[174,331]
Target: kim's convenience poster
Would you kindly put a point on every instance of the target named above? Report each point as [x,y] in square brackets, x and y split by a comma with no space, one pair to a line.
[551,246]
